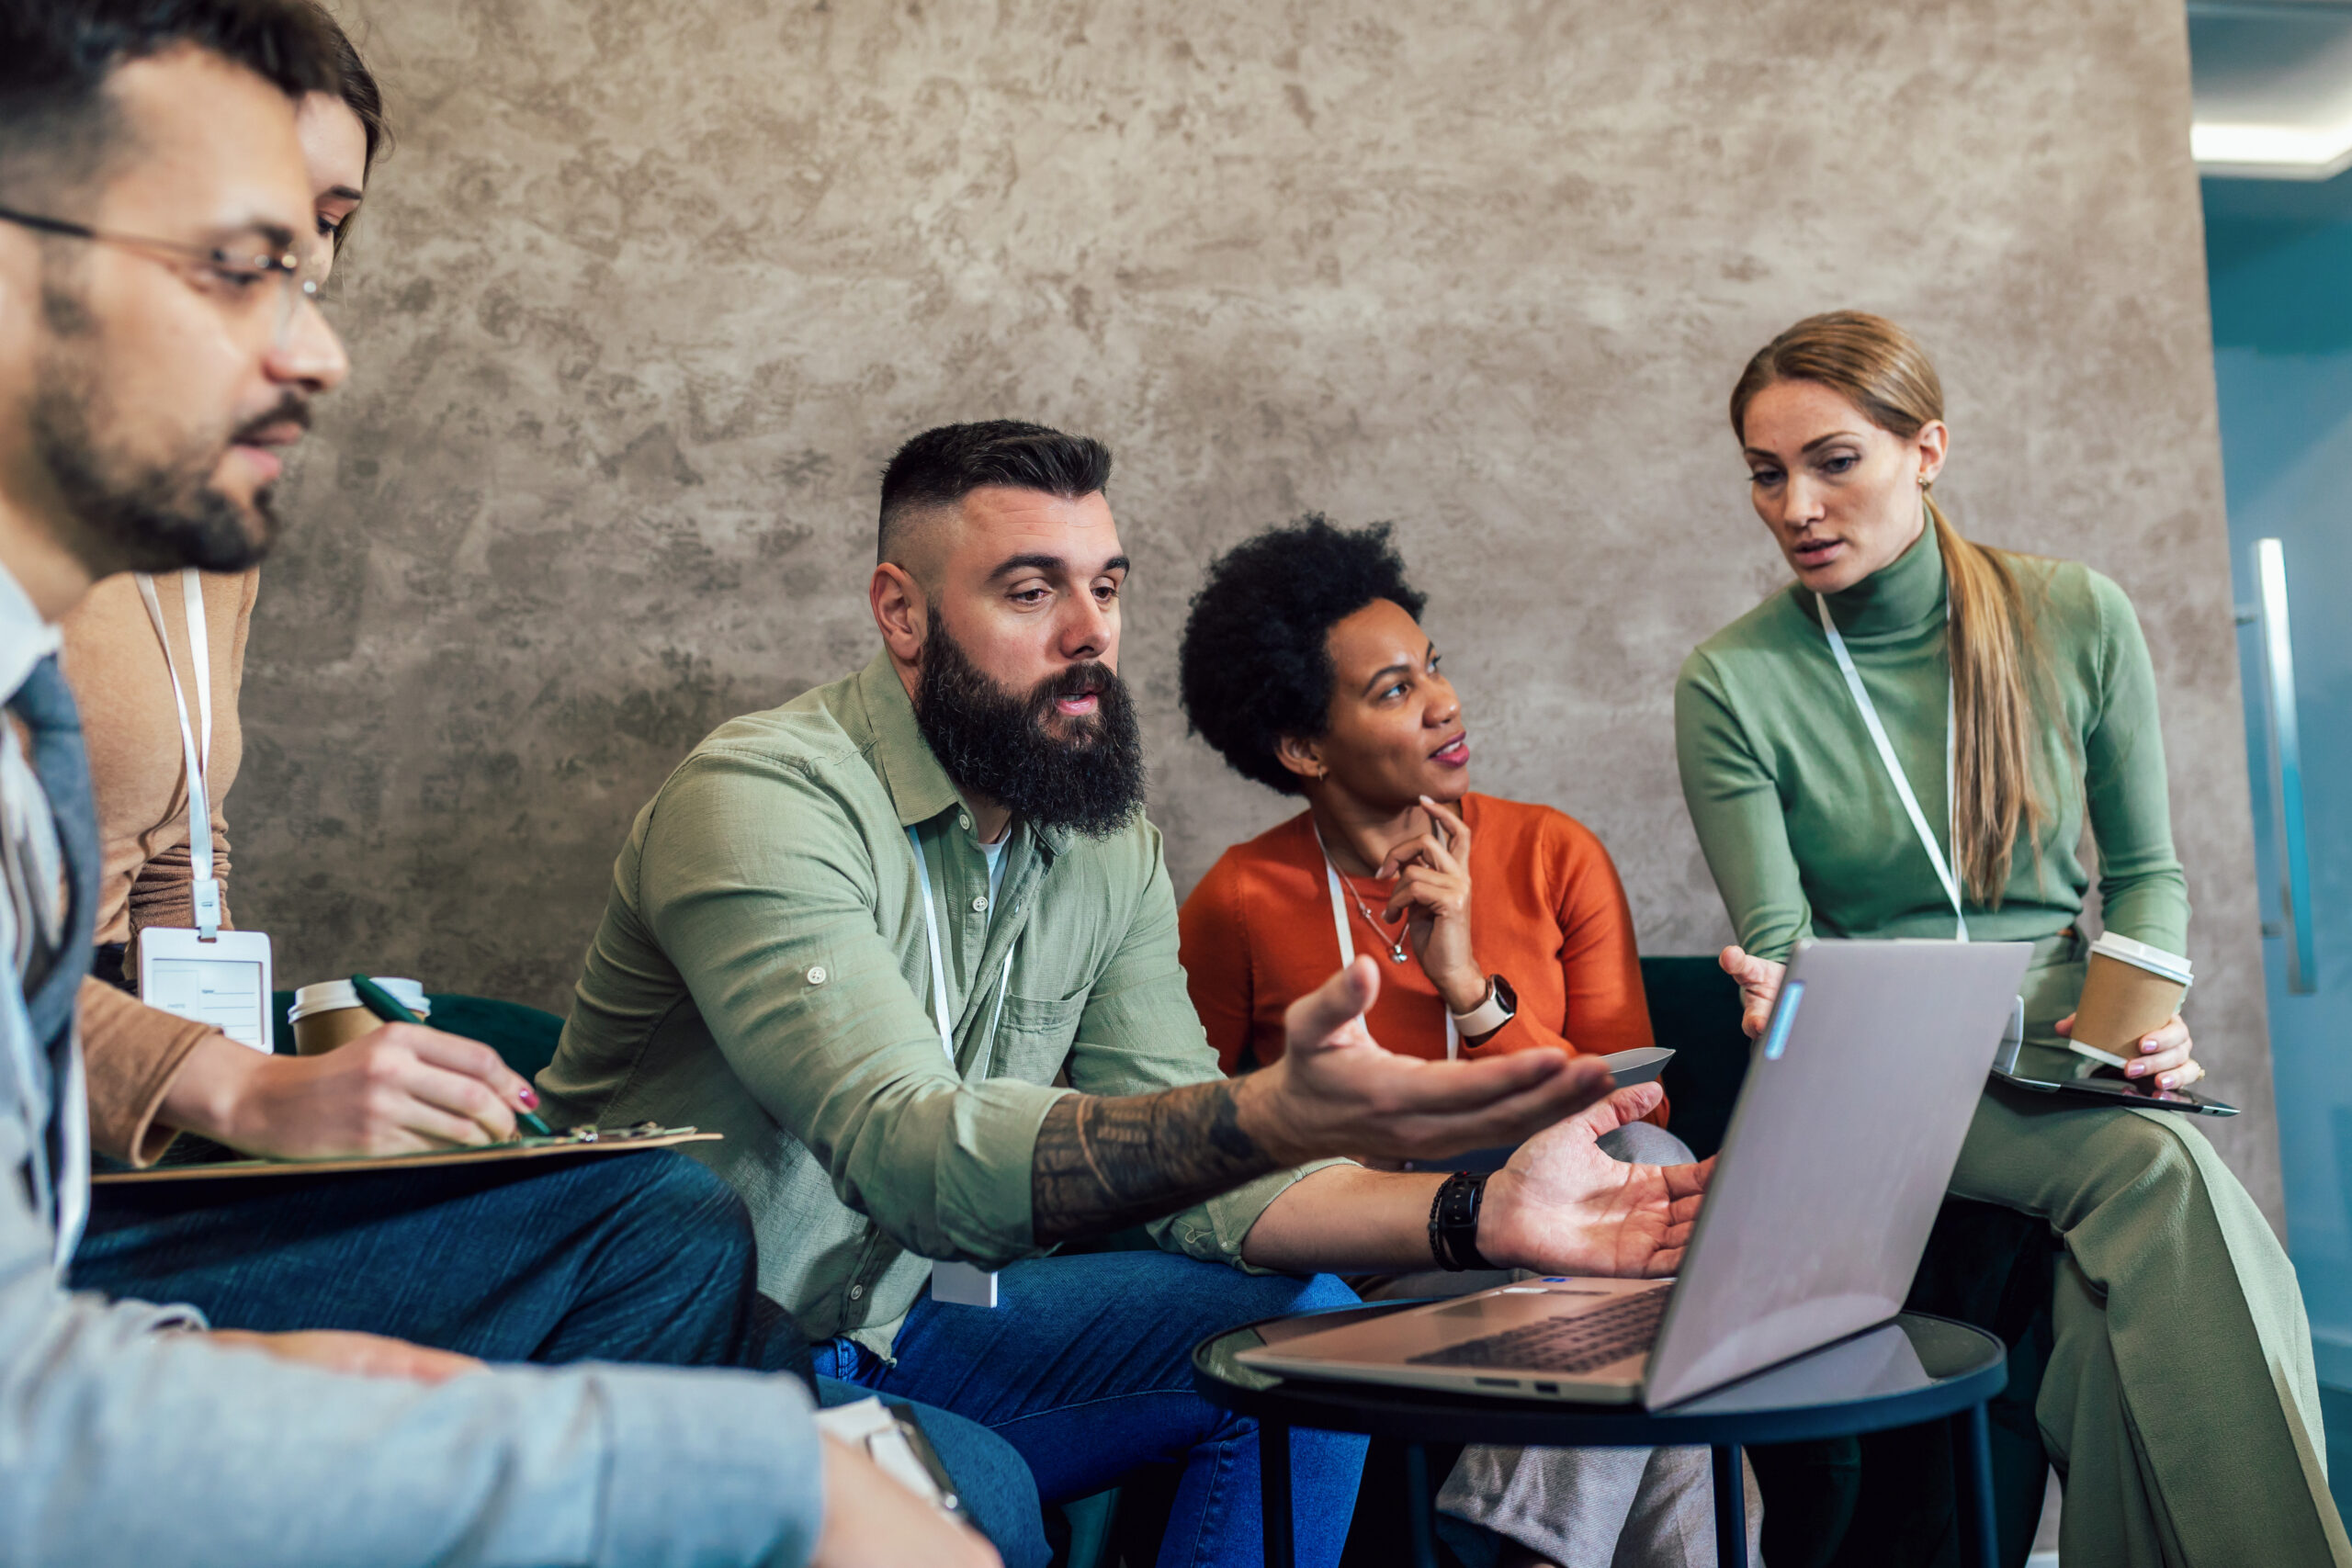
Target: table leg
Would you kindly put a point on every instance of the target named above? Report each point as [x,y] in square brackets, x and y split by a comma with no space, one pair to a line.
[1731,1508]
[1423,1522]
[1971,1452]
[1274,1493]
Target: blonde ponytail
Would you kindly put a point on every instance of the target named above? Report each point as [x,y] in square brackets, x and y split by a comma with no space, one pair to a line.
[1994,671]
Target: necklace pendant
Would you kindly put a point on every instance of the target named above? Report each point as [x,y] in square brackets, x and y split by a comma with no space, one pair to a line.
[1397,954]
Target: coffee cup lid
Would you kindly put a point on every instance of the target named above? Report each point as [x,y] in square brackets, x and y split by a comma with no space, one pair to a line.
[2155,960]
[332,995]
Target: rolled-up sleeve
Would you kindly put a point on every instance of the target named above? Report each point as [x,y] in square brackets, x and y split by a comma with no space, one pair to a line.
[1139,1035]
[133,1052]
[760,887]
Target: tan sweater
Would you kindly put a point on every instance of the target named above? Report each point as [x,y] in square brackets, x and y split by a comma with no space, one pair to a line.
[138,781]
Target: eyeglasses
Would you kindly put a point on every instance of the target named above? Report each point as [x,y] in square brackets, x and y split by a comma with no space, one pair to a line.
[239,280]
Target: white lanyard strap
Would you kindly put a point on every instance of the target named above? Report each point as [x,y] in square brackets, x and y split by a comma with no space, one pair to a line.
[1894,765]
[1348,944]
[960,1284]
[204,888]
[938,965]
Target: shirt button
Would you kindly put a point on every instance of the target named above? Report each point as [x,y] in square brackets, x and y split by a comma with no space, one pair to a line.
[964,821]
[817,975]
[856,1292]
[981,904]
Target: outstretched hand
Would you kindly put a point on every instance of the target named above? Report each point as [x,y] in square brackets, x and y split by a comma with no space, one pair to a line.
[1337,1090]
[1759,985]
[1562,1206]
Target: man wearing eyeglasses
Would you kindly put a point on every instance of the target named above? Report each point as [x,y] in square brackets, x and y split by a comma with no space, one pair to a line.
[158,350]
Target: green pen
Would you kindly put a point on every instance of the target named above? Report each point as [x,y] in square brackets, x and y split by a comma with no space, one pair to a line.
[388,1007]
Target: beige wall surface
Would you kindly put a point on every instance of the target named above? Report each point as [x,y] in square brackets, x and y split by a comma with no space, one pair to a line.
[648,294]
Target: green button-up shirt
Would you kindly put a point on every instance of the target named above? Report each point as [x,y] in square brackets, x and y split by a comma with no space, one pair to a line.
[763,971]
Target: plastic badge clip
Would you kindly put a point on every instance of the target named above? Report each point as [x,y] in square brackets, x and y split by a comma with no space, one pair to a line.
[960,1285]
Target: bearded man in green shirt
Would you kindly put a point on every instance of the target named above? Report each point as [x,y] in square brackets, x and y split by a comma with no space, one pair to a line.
[870,935]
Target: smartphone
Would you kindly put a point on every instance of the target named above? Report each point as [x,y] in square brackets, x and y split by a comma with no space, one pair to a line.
[1636,1067]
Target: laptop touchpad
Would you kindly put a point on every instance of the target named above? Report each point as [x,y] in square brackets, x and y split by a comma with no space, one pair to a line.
[1498,1310]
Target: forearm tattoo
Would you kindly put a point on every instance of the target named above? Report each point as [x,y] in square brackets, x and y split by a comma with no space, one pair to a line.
[1103,1164]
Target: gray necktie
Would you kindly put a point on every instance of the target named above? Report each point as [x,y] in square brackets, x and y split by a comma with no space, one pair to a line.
[44,704]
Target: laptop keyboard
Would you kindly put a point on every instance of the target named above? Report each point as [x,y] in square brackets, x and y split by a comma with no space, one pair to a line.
[1579,1344]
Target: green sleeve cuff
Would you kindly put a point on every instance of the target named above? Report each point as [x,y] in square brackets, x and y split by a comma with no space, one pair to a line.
[985,1171]
[1213,1231]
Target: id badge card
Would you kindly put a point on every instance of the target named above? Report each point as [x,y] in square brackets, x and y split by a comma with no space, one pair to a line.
[960,1285]
[224,982]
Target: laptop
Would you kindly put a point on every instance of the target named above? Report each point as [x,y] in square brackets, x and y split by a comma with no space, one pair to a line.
[1857,1097]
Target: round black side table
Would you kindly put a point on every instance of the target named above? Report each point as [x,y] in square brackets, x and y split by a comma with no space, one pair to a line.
[1913,1369]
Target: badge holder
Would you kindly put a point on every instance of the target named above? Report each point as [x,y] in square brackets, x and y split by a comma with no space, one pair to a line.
[215,977]
[224,982]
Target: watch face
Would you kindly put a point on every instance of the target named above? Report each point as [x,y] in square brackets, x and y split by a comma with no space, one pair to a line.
[1505,994]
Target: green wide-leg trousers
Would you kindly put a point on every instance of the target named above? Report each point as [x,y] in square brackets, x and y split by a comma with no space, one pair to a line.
[2179,1404]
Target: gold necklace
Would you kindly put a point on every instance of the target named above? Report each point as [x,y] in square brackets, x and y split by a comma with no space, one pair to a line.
[1397,948]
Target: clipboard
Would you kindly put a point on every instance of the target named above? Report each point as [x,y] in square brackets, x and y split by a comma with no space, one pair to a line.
[577,1143]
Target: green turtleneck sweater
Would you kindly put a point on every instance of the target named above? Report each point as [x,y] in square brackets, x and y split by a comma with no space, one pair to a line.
[1802,829]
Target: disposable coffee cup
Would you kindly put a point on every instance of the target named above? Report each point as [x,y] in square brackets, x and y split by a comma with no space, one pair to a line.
[2129,990]
[330,1014]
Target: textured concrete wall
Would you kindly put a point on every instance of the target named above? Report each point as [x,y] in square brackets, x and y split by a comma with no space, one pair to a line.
[649,293]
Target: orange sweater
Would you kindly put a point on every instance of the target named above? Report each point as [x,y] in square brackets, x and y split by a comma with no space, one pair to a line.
[1547,912]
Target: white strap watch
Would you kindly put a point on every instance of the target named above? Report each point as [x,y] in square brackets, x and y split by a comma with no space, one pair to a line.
[1499,1008]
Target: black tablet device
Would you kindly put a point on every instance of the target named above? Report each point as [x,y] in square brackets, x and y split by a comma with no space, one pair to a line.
[2043,1071]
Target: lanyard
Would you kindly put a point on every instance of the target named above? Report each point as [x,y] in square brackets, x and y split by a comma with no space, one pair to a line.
[1348,943]
[204,887]
[1894,766]
[939,1011]
[961,1284]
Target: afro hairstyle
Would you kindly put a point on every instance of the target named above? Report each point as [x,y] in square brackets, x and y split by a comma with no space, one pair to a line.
[1255,662]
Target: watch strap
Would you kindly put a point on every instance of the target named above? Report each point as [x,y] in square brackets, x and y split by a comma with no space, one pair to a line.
[1454,1221]
[1499,1008]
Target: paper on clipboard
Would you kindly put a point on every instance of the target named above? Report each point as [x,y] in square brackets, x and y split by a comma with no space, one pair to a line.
[570,1145]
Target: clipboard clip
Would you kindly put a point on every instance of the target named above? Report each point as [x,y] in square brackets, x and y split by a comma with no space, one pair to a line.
[590,1134]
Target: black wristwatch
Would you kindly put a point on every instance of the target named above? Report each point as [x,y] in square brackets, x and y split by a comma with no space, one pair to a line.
[1454,1221]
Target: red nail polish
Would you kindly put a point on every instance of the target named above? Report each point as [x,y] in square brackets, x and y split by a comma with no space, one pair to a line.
[529,1097]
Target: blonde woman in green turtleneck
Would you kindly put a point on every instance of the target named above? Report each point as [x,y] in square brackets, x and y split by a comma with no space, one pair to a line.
[2180,1403]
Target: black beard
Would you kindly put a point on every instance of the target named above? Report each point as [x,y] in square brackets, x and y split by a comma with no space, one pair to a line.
[997,743]
[135,516]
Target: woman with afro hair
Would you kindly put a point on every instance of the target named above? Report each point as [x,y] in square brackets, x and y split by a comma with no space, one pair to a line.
[1498,926]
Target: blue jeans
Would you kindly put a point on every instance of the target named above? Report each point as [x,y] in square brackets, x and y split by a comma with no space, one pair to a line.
[1085,1366]
[625,1258]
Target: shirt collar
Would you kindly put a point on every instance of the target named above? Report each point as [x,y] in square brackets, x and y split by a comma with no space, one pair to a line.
[1905,595]
[920,788]
[24,638]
